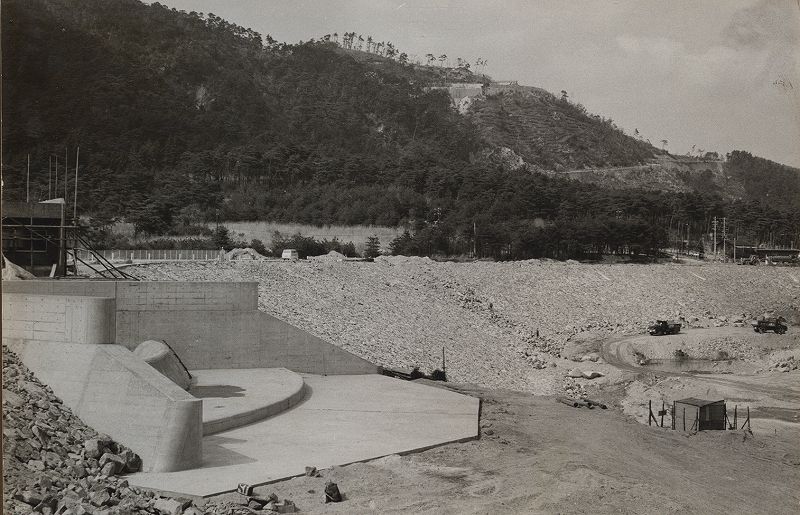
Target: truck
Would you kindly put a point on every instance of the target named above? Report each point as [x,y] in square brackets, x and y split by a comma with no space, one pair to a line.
[662,327]
[764,324]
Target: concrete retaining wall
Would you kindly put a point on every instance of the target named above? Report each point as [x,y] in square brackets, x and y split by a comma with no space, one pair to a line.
[250,339]
[58,318]
[150,295]
[117,393]
[208,324]
[186,296]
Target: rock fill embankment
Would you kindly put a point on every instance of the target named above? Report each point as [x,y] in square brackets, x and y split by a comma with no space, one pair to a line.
[502,325]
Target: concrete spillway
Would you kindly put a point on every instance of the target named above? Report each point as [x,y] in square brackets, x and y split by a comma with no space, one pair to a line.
[258,382]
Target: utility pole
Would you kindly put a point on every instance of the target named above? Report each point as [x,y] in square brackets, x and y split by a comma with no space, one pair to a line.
[714,224]
[28,181]
[688,240]
[474,240]
[50,177]
[724,237]
[75,198]
[66,180]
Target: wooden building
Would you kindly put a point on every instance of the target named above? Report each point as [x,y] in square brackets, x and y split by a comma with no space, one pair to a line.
[698,415]
[34,235]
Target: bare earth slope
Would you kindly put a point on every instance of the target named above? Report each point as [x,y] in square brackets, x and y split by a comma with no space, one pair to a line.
[400,312]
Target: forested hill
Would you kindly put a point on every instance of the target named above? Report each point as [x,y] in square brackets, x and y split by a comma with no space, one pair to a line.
[158,100]
[161,101]
[185,117]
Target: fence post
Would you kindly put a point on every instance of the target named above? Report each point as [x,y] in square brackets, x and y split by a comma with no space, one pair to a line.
[672,415]
[684,419]
[662,413]
[650,417]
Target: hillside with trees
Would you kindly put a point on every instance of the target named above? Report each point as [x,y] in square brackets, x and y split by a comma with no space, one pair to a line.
[555,134]
[184,118]
[771,182]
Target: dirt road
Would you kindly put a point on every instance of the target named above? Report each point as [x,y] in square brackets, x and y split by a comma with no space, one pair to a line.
[773,395]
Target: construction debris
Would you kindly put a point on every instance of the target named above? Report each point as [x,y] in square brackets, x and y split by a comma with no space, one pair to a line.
[12,272]
[569,402]
[332,493]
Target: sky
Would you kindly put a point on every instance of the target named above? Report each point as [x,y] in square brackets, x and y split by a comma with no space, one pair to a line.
[721,75]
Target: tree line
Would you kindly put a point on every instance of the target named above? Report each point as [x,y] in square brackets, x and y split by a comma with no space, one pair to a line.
[185,118]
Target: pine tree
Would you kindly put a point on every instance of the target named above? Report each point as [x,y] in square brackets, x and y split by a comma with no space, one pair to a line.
[372,248]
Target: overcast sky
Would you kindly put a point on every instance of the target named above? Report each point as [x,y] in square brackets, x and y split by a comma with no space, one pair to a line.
[718,74]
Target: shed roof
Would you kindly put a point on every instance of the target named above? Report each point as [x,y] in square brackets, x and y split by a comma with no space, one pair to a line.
[698,402]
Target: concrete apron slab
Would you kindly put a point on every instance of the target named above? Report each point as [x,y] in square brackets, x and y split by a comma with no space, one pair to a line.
[237,397]
[343,419]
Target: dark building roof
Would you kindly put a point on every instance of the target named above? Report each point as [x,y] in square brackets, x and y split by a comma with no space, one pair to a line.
[698,402]
[16,209]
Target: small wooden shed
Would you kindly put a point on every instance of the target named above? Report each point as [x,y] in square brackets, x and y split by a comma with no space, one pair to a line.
[698,414]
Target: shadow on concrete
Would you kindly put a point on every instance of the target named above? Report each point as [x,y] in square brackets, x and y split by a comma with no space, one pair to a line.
[222,390]
[215,454]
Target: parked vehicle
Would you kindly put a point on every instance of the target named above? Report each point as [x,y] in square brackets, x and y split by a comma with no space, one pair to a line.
[662,327]
[775,324]
[290,254]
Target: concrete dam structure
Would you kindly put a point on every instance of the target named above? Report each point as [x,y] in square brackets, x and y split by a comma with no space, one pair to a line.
[210,391]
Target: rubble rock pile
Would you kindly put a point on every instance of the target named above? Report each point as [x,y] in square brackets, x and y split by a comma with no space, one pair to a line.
[244,254]
[54,463]
[330,256]
[502,325]
[727,347]
[784,365]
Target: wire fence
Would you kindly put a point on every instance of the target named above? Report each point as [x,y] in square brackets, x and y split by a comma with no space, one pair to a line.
[151,255]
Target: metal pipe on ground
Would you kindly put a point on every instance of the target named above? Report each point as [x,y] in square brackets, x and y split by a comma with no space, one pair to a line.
[569,402]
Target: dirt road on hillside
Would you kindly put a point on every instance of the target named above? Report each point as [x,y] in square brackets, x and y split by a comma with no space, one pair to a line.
[761,391]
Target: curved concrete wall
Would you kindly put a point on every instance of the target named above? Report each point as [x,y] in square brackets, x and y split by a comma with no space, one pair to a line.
[159,356]
[119,394]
